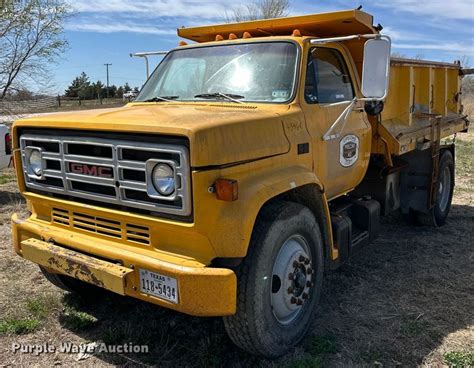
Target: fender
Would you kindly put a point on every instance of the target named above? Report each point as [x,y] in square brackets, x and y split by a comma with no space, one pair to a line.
[233,222]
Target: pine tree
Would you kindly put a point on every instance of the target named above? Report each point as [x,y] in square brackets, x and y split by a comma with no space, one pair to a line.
[78,86]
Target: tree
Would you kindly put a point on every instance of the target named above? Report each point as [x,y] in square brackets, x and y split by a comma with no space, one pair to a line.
[99,90]
[78,86]
[112,91]
[399,55]
[262,9]
[120,92]
[126,87]
[31,37]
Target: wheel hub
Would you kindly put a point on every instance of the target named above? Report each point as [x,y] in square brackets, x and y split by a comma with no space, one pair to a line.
[444,190]
[292,279]
[300,283]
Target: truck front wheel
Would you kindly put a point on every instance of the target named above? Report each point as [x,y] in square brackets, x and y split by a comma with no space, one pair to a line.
[279,281]
[83,289]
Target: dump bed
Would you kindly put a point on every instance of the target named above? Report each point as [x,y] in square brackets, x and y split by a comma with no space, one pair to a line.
[421,95]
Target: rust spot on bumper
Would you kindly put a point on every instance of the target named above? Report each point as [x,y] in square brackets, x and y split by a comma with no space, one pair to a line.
[77,265]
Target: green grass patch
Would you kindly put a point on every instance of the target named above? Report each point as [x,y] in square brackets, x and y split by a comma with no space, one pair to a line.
[19,326]
[459,359]
[114,335]
[7,176]
[42,306]
[414,327]
[37,307]
[464,157]
[319,347]
[322,345]
[78,320]
[371,356]
[29,316]
[308,362]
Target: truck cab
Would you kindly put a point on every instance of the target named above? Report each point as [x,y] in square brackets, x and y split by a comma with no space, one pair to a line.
[253,160]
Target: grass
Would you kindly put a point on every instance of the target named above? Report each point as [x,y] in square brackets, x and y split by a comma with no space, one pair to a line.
[77,320]
[30,316]
[7,176]
[459,359]
[371,356]
[322,346]
[19,326]
[308,362]
[465,167]
[414,327]
[42,306]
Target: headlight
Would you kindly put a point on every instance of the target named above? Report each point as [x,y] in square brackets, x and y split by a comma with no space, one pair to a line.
[164,179]
[35,162]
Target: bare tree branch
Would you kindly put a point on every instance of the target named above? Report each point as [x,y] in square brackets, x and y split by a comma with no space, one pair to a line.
[31,37]
[262,9]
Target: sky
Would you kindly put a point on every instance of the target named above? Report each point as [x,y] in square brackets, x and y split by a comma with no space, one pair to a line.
[102,31]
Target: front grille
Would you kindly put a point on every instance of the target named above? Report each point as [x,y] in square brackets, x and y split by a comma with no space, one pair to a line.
[108,170]
[102,226]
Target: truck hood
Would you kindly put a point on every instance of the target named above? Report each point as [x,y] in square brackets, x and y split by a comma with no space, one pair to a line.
[219,133]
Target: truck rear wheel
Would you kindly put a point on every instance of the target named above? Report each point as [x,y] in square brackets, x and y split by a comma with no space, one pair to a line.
[83,289]
[279,281]
[439,213]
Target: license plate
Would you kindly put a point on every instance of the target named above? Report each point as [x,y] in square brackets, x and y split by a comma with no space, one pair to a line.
[161,286]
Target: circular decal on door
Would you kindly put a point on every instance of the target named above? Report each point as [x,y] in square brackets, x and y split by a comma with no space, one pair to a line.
[349,150]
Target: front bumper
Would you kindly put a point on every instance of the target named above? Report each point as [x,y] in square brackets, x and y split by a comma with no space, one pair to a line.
[203,291]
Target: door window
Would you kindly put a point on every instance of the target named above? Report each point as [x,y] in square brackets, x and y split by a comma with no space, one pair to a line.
[327,77]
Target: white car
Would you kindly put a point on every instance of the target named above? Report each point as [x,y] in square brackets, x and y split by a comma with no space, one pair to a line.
[130,95]
[5,146]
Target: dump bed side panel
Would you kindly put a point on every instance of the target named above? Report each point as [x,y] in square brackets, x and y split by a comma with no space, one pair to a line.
[419,92]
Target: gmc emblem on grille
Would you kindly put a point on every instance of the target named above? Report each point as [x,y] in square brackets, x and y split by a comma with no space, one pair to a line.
[91,170]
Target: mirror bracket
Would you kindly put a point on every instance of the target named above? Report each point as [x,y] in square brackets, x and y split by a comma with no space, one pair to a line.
[373,107]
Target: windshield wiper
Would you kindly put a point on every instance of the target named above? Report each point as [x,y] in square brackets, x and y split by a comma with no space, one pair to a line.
[227,96]
[161,98]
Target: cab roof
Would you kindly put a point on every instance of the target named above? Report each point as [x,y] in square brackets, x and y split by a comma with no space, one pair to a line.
[339,23]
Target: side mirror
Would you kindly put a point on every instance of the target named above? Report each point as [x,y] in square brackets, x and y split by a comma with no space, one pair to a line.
[376,68]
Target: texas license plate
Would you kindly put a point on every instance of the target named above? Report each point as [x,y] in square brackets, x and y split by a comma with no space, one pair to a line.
[161,286]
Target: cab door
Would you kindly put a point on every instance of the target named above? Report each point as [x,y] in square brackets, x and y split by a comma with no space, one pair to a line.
[340,160]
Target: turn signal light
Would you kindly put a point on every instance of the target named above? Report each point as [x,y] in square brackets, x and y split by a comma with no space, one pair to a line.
[227,190]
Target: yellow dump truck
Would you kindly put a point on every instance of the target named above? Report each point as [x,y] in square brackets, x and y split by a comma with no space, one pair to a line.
[257,156]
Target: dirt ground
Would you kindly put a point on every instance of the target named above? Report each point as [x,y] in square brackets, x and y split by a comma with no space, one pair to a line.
[407,299]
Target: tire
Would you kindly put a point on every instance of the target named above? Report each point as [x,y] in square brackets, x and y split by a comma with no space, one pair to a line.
[83,289]
[265,323]
[438,215]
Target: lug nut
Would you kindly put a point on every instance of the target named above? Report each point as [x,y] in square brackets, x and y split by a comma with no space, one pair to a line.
[291,276]
[302,258]
[299,302]
[305,295]
[309,271]
[309,284]
[306,261]
[296,264]
[293,300]
[290,290]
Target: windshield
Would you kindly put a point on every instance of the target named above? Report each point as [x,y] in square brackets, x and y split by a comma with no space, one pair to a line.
[257,72]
